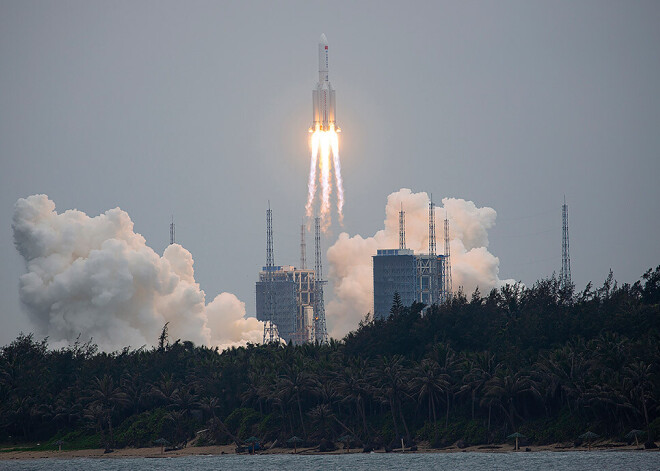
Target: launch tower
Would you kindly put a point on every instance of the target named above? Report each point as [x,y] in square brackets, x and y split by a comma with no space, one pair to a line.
[565,273]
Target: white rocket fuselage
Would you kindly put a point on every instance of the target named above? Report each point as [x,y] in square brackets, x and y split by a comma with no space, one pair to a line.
[323,97]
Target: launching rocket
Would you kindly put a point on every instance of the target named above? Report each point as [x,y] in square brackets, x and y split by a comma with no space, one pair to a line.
[324,144]
[323,97]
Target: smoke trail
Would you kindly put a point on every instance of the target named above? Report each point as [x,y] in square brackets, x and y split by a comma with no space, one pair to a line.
[350,257]
[326,185]
[311,185]
[96,277]
[334,140]
[325,143]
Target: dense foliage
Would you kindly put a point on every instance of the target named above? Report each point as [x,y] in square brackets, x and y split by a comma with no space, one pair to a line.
[545,361]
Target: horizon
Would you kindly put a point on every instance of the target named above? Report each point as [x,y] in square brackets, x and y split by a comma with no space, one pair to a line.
[202,113]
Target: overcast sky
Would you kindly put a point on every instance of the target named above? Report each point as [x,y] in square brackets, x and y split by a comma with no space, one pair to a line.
[201,110]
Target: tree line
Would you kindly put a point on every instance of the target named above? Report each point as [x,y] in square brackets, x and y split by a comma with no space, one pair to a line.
[546,361]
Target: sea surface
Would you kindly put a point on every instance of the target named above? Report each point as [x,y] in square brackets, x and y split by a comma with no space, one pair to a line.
[595,460]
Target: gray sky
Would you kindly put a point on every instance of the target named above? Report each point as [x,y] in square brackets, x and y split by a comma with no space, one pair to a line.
[201,110]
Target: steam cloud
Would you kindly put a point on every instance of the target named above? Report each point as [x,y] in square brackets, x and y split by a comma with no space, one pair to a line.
[95,277]
[350,257]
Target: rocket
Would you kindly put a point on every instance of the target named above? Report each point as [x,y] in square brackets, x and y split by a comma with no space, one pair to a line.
[323,96]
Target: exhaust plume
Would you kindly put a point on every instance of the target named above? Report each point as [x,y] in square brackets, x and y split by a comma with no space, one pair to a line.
[325,143]
[96,277]
[351,264]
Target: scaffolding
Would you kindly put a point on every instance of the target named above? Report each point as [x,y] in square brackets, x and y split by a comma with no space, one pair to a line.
[565,273]
[446,266]
[271,333]
[293,292]
[320,330]
[423,278]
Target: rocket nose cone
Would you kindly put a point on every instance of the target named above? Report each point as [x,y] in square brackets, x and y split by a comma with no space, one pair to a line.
[323,40]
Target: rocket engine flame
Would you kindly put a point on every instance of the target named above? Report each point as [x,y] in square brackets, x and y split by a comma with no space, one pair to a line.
[334,143]
[325,143]
[311,185]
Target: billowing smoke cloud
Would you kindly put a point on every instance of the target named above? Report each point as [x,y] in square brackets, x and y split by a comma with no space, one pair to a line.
[95,277]
[350,257]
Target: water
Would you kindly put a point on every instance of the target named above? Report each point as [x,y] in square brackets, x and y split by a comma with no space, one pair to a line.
[583,461]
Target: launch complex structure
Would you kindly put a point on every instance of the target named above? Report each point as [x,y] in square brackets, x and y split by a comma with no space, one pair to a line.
[422,278]
[290,299]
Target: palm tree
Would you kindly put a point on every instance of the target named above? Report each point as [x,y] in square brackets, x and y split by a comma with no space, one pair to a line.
[481,368]
[445,356]
[390,379]
[638,382]
[275,398]
[184,400]
[353,387]
[427,382]
[321,416]
[166,389]
[561,371]
[210,405]
[217,426]
[506,389]
[67,410]
[294,381]
[176,417]
[106,396]
[134,389]
[254,391]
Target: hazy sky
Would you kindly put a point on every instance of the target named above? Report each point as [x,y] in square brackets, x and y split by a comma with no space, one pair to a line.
[201,110]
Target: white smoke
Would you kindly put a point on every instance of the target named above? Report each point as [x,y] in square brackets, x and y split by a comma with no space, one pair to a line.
[95,277]
[350,260]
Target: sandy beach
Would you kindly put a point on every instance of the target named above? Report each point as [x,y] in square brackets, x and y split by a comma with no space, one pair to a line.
[155,452]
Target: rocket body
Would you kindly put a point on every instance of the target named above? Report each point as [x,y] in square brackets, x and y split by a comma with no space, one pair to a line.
[323,96]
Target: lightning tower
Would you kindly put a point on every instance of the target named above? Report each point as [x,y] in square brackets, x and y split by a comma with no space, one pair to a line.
[446,265]
[565,274]
[270,333]
[431,227]
[172,240]
[319,306]
[303,247]
[434,292]
[402,228]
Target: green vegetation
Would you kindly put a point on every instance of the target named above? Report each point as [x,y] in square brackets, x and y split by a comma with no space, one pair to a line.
[544,361]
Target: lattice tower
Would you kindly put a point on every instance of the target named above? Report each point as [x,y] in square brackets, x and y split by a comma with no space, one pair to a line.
[434,292]
[303,247]
[172,239]
[320,329]
[431,228]
[270,331]
[446,269]
[402,229]
[565,274]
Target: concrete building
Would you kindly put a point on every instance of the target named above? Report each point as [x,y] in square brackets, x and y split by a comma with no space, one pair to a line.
[417,278]
[292,302]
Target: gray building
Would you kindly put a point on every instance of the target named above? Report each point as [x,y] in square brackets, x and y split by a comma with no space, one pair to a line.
[292,294]
[417,278]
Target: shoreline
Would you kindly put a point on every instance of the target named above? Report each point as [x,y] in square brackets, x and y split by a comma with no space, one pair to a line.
[220,450]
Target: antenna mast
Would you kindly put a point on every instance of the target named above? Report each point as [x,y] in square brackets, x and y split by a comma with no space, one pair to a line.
[565,274]
[303,247]
[431,227]
[446,268]
[319,307]
[433,260]
[172,239]
[269,327]
[402,228]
